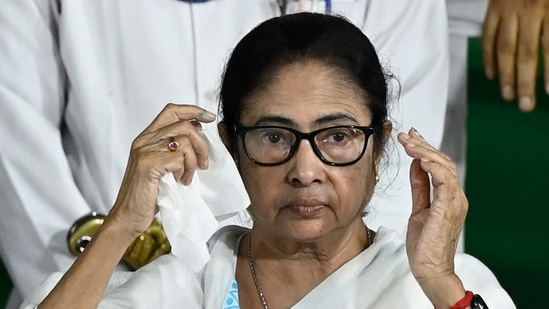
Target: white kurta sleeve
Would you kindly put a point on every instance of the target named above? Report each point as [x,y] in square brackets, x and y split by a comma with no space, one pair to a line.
[39,197]
[166,283]
[477,278]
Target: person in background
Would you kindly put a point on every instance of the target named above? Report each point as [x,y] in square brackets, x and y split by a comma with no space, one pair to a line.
[304,113]
[512,35]
[80,79]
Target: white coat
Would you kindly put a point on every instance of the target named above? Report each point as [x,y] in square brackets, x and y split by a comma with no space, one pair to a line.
[79,82]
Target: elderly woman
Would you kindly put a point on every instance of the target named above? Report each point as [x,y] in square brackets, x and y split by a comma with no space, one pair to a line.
[304,115]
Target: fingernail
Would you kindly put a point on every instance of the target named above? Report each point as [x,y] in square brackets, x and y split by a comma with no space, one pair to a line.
[525,104]
[547,88]
[207,116]
[187,181]
[205,164]
[489,73]
[415,133]
[507,93]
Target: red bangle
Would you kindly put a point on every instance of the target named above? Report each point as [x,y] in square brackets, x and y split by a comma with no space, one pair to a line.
[465,301]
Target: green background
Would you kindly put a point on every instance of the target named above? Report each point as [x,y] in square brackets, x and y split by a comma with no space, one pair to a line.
[507,184]
[508,188]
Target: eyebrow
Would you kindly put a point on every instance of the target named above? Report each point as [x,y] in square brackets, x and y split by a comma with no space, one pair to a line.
[282,120]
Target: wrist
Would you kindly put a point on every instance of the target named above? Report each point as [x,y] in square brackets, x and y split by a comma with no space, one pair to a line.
[470,301]
[443,292]
[132,222]
[122,231]
[464,302]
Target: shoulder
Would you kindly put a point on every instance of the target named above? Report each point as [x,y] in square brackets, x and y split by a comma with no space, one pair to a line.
[227,235]
[390,250]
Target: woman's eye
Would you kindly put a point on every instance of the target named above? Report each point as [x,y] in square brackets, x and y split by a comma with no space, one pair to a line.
[337,137]
[274,138]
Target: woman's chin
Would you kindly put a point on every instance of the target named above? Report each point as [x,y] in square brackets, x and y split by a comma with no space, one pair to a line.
[307,230]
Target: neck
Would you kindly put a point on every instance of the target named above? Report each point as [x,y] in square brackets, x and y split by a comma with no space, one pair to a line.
[317,256]
[268,264]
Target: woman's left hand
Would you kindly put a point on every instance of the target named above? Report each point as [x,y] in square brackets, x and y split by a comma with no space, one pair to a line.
[435,224]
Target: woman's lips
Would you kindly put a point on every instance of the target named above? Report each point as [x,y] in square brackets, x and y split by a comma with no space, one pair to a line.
[307,211]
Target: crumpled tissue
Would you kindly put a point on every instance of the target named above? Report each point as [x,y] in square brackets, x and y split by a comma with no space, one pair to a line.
[190,214]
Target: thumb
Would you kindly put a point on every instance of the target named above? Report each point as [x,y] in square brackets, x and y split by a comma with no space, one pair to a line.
[421,187]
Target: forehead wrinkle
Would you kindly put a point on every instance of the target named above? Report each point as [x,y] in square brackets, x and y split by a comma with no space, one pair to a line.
[334,117]
[322,120]
[278,119]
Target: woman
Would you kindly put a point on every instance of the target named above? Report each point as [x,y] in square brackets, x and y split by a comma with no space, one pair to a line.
[129,72]
[304,107]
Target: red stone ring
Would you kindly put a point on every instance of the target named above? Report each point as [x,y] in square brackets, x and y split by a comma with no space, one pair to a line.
[173,144]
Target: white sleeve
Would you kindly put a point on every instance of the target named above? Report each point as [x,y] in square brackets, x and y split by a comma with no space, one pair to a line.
[162,284]
[477,278]
[466,17]
[39,198]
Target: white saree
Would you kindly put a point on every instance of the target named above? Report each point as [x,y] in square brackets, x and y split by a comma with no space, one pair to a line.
[379,277]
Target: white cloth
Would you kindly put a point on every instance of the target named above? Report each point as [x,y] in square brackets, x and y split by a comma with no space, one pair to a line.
[379,277]
[465,17]
[76,90]
[190,214]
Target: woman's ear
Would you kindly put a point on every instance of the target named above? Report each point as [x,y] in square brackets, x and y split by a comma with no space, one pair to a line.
[387,130]
[223,134]
[226,139]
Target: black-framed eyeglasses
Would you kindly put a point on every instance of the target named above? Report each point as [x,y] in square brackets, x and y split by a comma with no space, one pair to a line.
[275,145]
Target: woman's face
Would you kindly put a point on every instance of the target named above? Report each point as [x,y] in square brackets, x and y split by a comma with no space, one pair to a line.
[304,198]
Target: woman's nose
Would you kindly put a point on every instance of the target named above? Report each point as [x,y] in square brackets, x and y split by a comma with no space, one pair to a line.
[306,167]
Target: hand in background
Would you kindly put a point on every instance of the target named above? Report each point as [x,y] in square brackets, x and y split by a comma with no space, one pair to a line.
[511,40]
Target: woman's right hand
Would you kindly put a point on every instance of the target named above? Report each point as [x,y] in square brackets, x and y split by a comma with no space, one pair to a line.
[84,283]
[151,158]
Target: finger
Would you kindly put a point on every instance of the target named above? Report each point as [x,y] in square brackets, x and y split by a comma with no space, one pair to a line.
[180,132]
[187,151]
[421,187]
[440,166]
[426,152]
[181,127]
[545,42]
[189,167]
[418,148]
[488,43]
[441,174]
[423,142]
[158,159]
[527,61]
[199,149]
[177,112]
[506,53]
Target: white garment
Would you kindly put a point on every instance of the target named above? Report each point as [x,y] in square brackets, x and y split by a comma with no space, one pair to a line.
[379,277]
[465,18]
[75,91]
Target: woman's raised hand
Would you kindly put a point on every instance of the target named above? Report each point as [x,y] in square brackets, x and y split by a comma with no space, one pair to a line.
[436,221]
[171,143]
